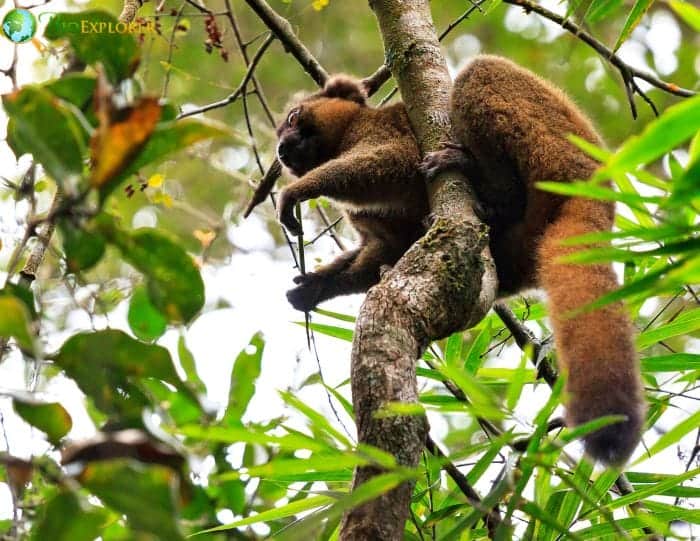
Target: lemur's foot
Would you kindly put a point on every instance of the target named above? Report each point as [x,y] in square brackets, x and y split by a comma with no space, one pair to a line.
[307,294]
[450,156]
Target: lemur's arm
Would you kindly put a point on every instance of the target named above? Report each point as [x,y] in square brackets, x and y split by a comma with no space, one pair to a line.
[362,177]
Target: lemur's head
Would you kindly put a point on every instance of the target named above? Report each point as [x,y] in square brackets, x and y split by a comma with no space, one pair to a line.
[312,129]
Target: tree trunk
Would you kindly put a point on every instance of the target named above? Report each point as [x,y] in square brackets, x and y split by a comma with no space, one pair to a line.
[446,282]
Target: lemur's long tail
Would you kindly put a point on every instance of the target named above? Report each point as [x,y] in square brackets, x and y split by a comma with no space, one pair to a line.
[595,348]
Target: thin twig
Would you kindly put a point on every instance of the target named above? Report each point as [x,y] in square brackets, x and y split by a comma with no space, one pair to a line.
[628,73]
[231,16]
[43,238]
[327,229]
[281,28]
[241,87]
[524,337]
[171,47]
[492,516]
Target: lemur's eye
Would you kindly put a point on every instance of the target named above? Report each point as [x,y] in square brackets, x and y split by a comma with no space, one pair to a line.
[293,118]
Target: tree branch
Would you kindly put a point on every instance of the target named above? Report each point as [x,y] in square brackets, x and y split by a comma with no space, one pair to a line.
[444,283]
[629,73]
[241,87]
[375,81]
[281,28]
[541,349]
[129,10]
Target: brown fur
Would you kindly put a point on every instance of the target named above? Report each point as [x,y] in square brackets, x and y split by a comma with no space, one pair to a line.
[511,128]
[366,160]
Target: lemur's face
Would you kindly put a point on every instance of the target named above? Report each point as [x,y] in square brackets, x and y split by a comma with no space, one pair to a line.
[301,145]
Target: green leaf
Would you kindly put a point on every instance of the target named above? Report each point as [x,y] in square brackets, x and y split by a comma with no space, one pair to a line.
[486,460]
[146,322]
[15,321]
[369,490]
[637,286]
[528,468]
[396,409]
[146,494]
[65,518]
[600,531]
[94,37]
[599,9]
[335,315]
[672,436]
[544,531]
[517,382]
[573,500]
[641,211]
[477,349]
[173,282]
[7,523]
[482,401]
[676,125]
[601,255]
[443,513]
[181,407]
[677,512]
[287,469]
[676,492]
[49,417]
[167,138]
[684,324]
[40,124]
[537,512]
[83,248]
[453,349]
[318,421]
[685,187]
[246,370]
[75,88]
[108,365]
[592,191]
[330,330]
[23,293]
[189,366]
[276,513]
[694,148]
[603,484]
[633,19]
[688,12]
[292,442]
[650,490]
[676,362]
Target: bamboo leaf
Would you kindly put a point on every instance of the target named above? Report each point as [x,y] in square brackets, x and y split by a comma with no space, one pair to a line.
[633,19]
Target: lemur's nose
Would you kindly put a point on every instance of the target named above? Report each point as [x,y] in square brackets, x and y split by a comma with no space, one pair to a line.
[283,150]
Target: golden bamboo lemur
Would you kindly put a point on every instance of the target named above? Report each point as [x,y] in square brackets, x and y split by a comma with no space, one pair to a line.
[510,130]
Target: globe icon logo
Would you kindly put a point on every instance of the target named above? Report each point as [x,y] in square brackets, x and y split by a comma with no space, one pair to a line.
[19,25]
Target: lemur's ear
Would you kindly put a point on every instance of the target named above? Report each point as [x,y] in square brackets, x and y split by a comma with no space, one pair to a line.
[344,87]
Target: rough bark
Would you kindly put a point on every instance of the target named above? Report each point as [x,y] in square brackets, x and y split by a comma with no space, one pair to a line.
[444,283]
